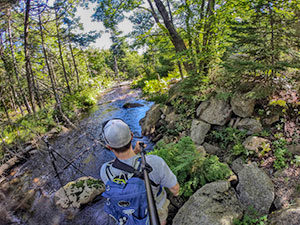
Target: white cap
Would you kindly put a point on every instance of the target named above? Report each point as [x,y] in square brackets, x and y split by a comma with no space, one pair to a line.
[116,133]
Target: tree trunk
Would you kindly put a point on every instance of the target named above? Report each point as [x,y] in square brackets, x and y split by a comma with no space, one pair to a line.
[35,89]
[174,36]
[53,86]
[116,69]
[74,62]
[87,64]
[15,67]
[60,51]
[8,68]
[27,56]
[52,77]
[207,31]
[272,39]
[180,69]
[170,12]
[191,40]
[6,111]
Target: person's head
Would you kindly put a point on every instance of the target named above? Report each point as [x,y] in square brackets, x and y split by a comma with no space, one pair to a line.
[117,135]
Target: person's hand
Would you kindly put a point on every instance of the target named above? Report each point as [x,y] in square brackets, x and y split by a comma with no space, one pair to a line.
[137,148]
[175,190]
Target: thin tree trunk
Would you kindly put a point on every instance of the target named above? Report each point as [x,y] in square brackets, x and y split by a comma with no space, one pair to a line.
[27,55]
[74,61]
[153,12]
[207,31]
[180,69]
[15,64]
[170,12]
[190,37]
[35,89]
[116,69]
[8,68]
[51,76]
[13,98]
[6,111]
[86,63]
[272,39]
[53,86]
[60,51]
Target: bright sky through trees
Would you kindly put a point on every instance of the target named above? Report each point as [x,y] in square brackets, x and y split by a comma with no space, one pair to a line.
[104,41]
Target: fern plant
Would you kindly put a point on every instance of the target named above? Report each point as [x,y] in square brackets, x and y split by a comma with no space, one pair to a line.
[191,168]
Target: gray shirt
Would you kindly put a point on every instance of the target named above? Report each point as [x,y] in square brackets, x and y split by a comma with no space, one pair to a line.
[161,174]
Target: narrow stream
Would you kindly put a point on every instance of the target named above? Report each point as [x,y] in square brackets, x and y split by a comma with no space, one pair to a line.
[38,172]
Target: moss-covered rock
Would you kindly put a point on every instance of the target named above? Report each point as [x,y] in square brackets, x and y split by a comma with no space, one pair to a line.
[79,192]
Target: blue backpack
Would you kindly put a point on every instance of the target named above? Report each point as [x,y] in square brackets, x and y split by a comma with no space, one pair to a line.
[126,194]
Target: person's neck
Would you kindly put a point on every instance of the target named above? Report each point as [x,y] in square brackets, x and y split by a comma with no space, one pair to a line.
[125,155]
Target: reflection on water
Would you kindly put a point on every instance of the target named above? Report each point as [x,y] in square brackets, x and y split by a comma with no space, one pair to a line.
[80,147]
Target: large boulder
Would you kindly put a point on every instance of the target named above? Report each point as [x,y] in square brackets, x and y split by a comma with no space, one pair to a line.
[242,106]
[150,120]
[252,125]
[79,192]
[199,130]
[214,111]
[290,216]
[213,204]
[255,189]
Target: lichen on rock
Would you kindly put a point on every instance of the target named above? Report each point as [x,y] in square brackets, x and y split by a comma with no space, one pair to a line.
[79,192]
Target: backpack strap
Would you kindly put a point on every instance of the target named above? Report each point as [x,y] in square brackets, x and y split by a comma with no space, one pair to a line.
[125,167]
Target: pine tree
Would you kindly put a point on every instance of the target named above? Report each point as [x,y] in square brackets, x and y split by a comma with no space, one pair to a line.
[264,42]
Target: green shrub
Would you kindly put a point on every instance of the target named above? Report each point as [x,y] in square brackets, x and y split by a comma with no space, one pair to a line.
[231,137]
[215,170]
[251,220]
[228,135]
[158,98]
[192,169]
[281,153]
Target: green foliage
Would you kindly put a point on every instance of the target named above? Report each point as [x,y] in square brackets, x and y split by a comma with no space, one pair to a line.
[159,98]
[265,149]
[296,160]
[26,128]
[214,170]
[281,153]
[229,136]
[239,149]
[192,169]
[251,220]
[258,50]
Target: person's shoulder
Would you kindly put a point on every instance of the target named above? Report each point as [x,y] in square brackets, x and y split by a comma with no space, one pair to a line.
[154,158]
[103,167]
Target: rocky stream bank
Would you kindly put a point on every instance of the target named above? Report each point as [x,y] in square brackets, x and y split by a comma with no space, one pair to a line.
[256,188]
[31,193]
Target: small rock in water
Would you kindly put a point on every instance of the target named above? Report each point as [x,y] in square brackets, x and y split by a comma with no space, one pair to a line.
[130,105]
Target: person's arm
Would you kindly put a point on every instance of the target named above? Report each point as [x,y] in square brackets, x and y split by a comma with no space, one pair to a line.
[175,189]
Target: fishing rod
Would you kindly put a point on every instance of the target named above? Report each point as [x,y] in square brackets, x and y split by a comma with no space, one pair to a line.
[154,219]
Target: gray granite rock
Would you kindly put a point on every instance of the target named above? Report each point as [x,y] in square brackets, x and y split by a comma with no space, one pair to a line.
[255,189]
[199,130]
[213,204]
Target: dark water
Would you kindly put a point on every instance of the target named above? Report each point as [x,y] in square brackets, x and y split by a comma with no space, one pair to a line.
[75,143]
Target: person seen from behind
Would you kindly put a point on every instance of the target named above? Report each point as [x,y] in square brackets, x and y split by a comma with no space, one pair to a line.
[118,139]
